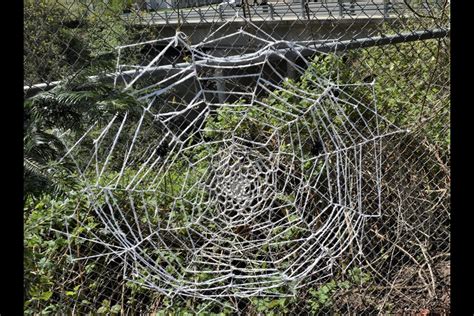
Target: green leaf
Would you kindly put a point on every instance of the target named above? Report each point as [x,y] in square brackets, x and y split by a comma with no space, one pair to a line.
[116,309]
[323,298]
[344,285]
[45,296]
[102,310]
[274,303]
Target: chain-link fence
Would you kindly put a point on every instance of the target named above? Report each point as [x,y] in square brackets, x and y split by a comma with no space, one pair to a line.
[240,157]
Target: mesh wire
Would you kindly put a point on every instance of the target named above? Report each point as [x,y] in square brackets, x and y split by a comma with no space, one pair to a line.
[282,158]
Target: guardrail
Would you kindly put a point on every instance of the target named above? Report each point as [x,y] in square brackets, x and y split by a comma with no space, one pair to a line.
[284,11]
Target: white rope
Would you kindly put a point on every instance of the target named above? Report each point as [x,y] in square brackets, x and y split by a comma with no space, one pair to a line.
[273,198]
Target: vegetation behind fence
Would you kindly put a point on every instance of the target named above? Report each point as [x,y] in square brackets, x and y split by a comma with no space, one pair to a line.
[75,90]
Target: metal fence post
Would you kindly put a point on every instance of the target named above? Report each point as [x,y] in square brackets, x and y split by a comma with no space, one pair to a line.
[386,8]
[221,16]
[341,8]
[200,15]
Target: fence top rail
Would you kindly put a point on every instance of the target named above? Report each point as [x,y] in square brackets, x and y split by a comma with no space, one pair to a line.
[329,46]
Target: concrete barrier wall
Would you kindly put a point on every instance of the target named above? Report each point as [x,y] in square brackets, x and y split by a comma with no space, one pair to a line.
[162,4]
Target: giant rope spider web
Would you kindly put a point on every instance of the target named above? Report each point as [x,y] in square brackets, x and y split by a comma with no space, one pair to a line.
[255,190]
